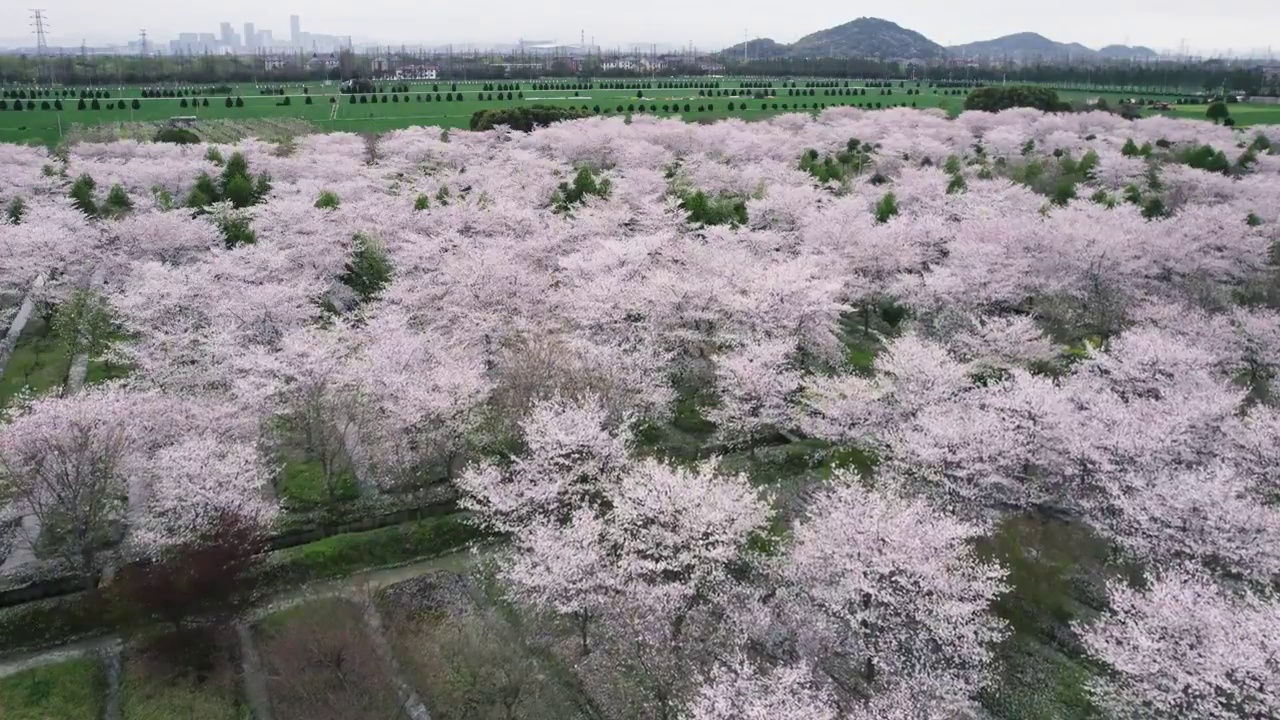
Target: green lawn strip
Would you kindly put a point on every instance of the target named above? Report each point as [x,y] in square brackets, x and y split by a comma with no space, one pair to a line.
[49,126]
[318,658]
[301,486]
[345,554]
[39,360]
[67,690]
[153,690]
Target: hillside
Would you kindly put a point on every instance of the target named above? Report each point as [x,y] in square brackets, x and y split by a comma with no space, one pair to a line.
[874,37]
[864,37]
[758,49]
[1126,52]
[868,37]
[1025,45]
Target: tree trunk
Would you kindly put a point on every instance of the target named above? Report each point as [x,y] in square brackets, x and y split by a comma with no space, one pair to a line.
[583,619]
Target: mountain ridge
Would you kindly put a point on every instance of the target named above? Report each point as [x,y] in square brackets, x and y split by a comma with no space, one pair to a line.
[884,39]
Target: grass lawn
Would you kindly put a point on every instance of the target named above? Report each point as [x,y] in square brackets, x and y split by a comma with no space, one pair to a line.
[40,360]
[1243,114]
[301,486]
[321,665]
[343,554]
[50,126]
[73,689]
[152,690]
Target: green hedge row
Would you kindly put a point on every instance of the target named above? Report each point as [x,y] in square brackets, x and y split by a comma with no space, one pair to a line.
[524,118]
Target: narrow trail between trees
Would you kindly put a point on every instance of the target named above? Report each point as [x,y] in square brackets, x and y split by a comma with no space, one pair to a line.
[369,581]
[252,676]
[10,339]
[80,363]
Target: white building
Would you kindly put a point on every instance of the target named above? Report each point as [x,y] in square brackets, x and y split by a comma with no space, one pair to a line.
[418,72]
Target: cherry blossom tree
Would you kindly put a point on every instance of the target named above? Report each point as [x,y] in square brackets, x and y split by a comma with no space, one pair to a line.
[66,461]
[740,691]
[572,457]
[644,552]
[882,589]
[756,384]
[196,485]
[1186,648]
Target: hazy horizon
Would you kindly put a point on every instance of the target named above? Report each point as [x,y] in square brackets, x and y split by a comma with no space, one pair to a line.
[1241,28]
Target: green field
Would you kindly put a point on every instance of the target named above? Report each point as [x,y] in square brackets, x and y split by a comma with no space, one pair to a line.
[71,689]
[50,127]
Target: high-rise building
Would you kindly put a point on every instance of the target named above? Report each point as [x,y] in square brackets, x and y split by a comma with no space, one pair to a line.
[250,37]
[228,35]
[265,40]
[295,30]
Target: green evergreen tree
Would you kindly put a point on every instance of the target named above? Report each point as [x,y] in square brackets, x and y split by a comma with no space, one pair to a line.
[886,208]
[368,270]
[82,195]
[118,202]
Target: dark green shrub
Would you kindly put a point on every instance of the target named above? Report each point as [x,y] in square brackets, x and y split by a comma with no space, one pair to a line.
[584,184]
[118,202]
[1004,97]
[236,232]
[328,200]
[179,136]
[722,209]
[524,119]
[886,208]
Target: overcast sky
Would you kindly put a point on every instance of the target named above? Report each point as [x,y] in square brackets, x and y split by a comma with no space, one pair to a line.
[1239,25]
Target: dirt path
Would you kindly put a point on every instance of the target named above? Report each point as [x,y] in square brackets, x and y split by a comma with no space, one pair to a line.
[252,675]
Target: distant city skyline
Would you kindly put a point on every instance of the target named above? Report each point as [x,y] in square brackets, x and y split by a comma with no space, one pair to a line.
[1242,28]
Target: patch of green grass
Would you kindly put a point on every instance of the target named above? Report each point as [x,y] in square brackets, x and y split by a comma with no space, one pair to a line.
[861,358]
[1038,682]
[1057,570]
[343,554]
[685,436]
[72,689]
[100,372]
[52,621]
[862,461]
[150,691]
[40,361]
[1056,574]
[302,487]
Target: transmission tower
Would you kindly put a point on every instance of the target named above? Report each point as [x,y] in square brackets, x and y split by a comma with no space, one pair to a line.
[39,23]
[143,41]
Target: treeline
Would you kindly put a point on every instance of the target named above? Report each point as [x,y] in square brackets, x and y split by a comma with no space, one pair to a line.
[1165,76]
[210,69]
